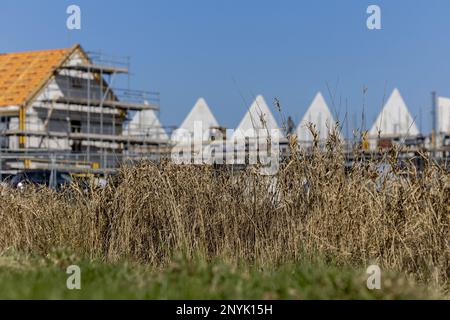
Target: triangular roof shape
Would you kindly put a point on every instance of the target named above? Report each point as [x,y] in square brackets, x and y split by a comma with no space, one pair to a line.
[258,117]
[443,115]
[146,123]
[318,114]
[24,74]
[200,113]
[394,119]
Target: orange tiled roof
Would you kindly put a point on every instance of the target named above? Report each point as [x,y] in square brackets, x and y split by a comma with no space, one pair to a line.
[22,73]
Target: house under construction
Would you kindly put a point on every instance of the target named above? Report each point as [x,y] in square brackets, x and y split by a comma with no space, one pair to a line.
[60,108]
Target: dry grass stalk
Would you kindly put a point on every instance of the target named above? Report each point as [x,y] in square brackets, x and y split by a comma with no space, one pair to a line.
[398,219]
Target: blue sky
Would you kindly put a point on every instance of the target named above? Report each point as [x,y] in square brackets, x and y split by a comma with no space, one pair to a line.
[223,49]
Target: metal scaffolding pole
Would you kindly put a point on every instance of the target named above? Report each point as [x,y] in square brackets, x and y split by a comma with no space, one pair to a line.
[89,116]
[73,117]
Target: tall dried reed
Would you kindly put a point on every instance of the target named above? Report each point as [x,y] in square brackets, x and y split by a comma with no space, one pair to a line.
[398,218]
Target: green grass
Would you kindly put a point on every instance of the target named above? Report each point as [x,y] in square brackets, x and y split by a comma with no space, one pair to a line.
[27,277]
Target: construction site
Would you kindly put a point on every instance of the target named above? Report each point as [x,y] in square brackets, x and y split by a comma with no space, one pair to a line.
[395,126]
[62,110]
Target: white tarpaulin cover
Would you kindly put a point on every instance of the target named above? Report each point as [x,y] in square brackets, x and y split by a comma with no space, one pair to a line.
[200,113]
[394,119]
[318,114]
[146,123]
[258,117]
[443,115]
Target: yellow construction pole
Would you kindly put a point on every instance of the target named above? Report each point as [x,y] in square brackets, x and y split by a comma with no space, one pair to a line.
[365,140]
[21,127]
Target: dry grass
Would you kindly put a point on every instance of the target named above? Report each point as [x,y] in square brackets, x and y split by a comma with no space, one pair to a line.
[153,211]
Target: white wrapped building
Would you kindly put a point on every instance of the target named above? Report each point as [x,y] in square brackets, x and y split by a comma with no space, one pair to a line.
[394,120]
[258,118]
[201,118]
[320,116]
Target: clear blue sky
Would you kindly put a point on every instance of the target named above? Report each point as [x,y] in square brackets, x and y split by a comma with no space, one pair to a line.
[285,49]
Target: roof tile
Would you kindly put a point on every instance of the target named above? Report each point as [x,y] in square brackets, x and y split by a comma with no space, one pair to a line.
[21,73]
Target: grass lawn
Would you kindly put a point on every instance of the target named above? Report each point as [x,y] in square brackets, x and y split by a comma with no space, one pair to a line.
[27,277]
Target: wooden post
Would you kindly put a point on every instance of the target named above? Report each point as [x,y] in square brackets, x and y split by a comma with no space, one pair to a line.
[22,113]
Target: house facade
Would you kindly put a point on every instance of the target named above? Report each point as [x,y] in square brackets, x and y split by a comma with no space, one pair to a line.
[60,107]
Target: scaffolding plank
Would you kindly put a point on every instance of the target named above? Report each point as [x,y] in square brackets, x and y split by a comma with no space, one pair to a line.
[105,103]
[72,169]
[78,108]
[95,68]
[87,136]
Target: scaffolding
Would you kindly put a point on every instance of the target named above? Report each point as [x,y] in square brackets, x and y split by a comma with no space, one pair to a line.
[78,120]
